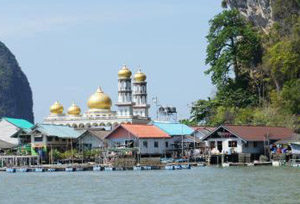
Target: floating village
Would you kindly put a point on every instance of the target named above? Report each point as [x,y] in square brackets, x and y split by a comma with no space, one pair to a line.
[101,139]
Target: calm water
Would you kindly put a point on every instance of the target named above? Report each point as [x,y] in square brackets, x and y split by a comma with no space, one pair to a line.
[199,185]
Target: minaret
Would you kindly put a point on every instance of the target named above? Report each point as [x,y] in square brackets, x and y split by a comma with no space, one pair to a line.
[140,108]
[124,103]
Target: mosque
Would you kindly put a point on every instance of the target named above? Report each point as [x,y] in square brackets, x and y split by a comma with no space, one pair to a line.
[132,106]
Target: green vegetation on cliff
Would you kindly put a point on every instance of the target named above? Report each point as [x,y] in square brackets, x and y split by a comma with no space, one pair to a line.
[257,74]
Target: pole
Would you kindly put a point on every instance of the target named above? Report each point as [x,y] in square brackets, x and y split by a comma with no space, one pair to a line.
[182,140]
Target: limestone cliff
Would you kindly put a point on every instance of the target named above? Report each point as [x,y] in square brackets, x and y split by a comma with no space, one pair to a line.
[263,13]
[15,92]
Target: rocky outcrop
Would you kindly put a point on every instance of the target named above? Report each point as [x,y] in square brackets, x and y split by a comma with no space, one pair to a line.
[263,13]
[15,92]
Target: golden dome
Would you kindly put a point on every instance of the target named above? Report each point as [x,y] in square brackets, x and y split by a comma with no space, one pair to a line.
[57,108]
[74,110]
[124,73]
[99,100]
[140,76]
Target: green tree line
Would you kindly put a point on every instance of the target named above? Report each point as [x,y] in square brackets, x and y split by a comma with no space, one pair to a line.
[256,74]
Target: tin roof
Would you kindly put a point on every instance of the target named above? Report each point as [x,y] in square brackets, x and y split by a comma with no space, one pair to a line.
[174,129]
[58,130]
[6,145]
[20,123]
[101,134]
[143,131]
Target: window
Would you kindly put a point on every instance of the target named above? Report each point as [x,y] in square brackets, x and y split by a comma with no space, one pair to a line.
[167,144]
[212,144]
[246,144]
[63,140]
[56,139]
[49,139]
[145,144]
[38,139]
[232,143]
[156,144]
[254,144]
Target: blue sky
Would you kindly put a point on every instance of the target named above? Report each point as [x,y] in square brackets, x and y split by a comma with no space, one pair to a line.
[69,48]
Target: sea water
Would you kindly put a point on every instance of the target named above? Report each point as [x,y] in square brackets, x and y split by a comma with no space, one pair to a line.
[198,185]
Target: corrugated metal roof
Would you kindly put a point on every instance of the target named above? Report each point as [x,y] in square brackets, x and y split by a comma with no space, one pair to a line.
[6,145]
[174,129]
[59,130]
[20,123]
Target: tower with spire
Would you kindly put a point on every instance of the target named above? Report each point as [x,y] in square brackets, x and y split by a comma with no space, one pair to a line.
[141,106]
[124,103]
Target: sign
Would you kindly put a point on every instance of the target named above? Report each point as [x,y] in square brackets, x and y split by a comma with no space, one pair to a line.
[225,134]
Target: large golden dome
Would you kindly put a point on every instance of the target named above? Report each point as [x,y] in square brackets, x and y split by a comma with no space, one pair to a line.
[140,76]
[99,100]
[74,110]
[57,108]
[124,73]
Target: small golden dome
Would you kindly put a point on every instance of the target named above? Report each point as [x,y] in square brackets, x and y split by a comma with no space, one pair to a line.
[74,110]
[124,73]
[99,100]
[57,108]
[140,76]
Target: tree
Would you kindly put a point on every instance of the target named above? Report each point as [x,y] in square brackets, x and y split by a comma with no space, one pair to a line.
[282,62]
[233,45]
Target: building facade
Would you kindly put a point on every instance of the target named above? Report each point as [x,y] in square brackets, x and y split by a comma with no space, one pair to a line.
[230,139]
[148,139]
[132,106]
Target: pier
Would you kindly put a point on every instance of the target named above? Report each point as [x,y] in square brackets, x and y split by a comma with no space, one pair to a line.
[18,161]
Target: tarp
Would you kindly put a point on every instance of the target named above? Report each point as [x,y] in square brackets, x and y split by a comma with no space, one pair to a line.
[295,148]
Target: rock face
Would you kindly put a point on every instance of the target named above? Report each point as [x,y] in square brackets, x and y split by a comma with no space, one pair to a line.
[15,92]
[263,13]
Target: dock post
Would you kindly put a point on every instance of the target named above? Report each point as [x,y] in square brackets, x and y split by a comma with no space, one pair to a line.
[222,159]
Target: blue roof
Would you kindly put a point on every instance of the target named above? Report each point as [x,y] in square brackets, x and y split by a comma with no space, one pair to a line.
[58,131]
[20,123]
[174,129]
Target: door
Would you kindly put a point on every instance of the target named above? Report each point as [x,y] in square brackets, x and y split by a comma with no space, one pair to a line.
[220,146]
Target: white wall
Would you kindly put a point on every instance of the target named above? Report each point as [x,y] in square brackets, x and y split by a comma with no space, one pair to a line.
[241,147]
[225,143]
[7,130]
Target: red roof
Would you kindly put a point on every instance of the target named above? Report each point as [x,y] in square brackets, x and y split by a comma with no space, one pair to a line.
[259,133]
[142,131]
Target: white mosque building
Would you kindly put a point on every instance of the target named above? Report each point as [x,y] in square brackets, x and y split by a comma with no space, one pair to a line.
[132,106]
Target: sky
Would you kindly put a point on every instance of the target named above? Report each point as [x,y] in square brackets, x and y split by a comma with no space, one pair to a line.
[67,48]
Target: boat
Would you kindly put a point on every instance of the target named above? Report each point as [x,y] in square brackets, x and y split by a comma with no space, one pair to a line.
[39,170]
[108,168]
[146,167]
[137,168]
[69,169]
[96,168]
[177,167]
[186,166]
[22,170]
[51,170]
[10,170]
[79,169]
[169,167]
